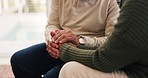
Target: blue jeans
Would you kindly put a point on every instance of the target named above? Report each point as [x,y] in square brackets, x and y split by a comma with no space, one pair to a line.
[34,61]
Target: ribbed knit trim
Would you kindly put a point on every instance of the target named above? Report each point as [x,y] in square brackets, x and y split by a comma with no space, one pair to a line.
[69,53]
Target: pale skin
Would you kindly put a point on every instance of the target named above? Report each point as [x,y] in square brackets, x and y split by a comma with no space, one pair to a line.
[59,37]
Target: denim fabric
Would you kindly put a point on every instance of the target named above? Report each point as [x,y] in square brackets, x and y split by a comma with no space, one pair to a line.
[34,61]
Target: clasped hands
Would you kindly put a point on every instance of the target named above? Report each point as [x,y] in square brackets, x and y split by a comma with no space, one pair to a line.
[59,37]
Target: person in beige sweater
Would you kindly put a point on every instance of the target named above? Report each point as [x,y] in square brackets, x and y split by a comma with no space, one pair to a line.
[89,21]
[123,55]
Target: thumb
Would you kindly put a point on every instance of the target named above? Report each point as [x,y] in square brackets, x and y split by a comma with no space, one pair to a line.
[52,33]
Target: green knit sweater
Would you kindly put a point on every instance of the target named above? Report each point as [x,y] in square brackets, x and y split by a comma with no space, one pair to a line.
[126,48]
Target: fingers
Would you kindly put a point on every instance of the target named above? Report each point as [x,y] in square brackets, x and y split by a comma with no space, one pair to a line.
[53,52]
[65,36]
[61,37]
[56,37]
[69,39]
[58,33]
[53,49]
[54,45]
[52,33]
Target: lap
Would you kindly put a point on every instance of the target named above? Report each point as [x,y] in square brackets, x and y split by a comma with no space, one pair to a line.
[36,58]
[35,53]
[77,70]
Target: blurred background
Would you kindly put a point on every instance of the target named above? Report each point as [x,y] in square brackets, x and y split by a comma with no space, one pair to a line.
[22,24]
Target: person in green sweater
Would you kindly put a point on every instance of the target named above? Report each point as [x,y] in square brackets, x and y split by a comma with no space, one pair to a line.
[123,55]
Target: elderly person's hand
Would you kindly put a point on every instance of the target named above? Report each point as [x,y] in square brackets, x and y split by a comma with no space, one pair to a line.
[51,47]
[65,36]
[59,37]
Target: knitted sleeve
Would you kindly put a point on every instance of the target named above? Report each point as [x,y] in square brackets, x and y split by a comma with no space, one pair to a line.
[126,45]
[111,20]
[116,53]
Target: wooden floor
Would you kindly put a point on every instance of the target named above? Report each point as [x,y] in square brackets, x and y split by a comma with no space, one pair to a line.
[5,71]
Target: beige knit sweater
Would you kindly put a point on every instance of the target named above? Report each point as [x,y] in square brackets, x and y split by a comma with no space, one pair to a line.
[91,18]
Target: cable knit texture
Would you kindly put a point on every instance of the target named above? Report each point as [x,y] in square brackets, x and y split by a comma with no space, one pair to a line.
[126,48]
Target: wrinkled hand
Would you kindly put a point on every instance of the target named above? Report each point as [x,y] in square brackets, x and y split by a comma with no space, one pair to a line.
[59,37]
[51,47]
[65,36]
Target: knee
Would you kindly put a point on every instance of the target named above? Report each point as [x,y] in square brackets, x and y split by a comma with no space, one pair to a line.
[15,58]
[69,70]
[70,66]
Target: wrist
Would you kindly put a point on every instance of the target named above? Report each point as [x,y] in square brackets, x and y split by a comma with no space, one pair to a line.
[81,40]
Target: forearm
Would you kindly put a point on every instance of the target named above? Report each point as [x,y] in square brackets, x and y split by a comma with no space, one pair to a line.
[114,54]
[69,53]
[53,19]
